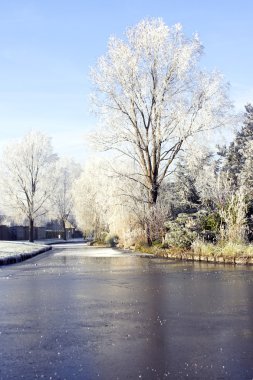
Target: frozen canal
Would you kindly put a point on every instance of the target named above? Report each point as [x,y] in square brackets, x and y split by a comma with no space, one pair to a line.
[88,313]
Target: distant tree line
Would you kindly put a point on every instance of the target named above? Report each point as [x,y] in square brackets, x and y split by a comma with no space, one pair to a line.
[35,183]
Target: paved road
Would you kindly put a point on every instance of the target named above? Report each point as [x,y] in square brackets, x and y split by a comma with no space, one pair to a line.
[88,313]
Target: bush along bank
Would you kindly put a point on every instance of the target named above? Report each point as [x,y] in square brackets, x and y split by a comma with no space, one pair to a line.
[205,252]
[198,237]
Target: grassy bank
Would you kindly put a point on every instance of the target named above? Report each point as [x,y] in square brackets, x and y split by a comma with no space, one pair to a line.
[14,252]
[229,253]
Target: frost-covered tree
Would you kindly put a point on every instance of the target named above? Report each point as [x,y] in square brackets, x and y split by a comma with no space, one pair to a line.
[236,165]
[27,178]
[239,151]
[108,203]
[246,173]
[91,193]
[187,173]
[152,97]
[66,172]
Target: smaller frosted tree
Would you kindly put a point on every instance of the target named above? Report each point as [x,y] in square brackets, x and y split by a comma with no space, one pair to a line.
[27,178]
[107,202]
[67,171]
[237,156]
[91,193]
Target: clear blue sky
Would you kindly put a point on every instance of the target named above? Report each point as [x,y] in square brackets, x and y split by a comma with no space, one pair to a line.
[48,46]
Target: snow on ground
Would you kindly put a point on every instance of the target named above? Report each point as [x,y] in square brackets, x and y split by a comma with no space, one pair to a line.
[8,248]
[14,252]
[84,250]
[59,241]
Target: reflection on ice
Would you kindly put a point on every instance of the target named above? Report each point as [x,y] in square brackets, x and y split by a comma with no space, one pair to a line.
[86,312]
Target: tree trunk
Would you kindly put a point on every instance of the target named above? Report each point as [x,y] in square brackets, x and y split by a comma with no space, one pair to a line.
[148,237]
[153,195]
[31,230]
[64,230]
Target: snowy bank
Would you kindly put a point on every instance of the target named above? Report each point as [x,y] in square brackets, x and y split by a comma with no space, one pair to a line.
[14,252]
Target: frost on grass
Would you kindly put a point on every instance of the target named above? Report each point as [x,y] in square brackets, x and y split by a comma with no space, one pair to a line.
[8,249]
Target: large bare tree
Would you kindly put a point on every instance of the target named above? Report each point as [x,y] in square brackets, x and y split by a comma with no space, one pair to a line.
[152,97]
[27,178]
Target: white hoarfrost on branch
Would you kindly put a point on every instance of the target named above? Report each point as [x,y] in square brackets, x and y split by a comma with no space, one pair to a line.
[152,97]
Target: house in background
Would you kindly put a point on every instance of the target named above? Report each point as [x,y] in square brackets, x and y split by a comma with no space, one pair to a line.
[54,230]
